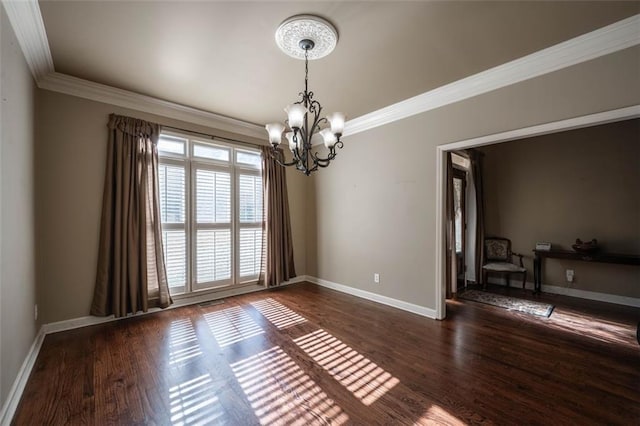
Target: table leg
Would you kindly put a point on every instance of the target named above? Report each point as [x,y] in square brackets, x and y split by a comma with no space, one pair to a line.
[537,274]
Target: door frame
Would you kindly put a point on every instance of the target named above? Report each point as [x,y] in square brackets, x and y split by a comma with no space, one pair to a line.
[611,116]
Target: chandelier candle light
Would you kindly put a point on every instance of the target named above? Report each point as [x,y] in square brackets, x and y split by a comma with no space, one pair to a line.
[306,37]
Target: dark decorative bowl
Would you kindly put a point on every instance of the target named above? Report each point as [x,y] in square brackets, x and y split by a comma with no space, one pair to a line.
[587,247]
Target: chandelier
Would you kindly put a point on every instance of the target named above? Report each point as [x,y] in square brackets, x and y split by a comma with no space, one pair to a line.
[306,37]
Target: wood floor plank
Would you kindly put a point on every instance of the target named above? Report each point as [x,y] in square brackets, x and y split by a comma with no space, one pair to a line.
[308,355]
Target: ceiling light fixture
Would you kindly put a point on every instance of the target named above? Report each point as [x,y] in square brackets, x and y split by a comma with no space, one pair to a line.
[306,37]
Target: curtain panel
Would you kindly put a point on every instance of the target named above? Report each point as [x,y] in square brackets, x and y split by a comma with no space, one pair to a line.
[277,259]
[475,158]
[131,274]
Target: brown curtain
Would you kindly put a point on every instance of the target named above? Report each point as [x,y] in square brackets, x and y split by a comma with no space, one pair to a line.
[451,272]
[131,274]
[277,265]
[475,158]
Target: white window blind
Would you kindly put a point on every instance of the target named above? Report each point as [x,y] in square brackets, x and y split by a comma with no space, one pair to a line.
[213,196]
[211,210]
[172,184]
[175,257]
[250,251]
[172,193]
[213,255]
[250,218]
[250,189]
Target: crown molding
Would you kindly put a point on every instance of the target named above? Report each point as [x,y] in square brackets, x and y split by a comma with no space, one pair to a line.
[27,23]
[612,38]
[597,119]
[74,86]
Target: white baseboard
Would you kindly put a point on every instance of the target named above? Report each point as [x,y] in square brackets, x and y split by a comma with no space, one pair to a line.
[15,393]
[592,295]
[70,324]
[405,306]
[574,292]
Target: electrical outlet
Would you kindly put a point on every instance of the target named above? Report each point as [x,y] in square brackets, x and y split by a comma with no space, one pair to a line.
[35,312]
[570,275]
[376,278]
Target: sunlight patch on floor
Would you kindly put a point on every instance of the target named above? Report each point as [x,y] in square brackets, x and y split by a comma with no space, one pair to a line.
[280,392]
[595,328]
[194,402]
[183,342]
[232,325]
[359,375]
[278,314]
[436,415]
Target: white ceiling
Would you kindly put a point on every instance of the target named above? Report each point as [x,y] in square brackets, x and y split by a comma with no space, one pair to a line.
[221,56]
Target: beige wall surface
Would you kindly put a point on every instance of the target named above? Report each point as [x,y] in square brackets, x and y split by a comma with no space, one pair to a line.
[71,152]
[376,203]
[579,184]
[18,250]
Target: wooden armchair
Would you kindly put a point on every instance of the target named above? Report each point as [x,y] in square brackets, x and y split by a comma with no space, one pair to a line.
[498,259]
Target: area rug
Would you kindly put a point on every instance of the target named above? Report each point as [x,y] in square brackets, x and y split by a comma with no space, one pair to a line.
[510,303]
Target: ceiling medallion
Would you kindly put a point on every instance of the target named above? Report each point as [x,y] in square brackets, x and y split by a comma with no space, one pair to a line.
[306,37]
[306,27]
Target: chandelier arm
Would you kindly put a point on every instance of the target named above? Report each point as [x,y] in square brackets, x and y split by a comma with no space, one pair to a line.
[313,169]
[285,164]
[316,118]
[275,154]
[323,120]
[314,105]
[332,153]
[299,141]
[320,160]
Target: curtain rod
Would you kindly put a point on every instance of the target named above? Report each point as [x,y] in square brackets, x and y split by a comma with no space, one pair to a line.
[212,136]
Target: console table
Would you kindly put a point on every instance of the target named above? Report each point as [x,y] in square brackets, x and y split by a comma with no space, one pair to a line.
[601,257]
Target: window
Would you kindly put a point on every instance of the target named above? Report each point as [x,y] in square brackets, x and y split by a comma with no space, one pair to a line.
[211,210]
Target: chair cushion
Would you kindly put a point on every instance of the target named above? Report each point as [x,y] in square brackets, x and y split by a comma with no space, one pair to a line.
[503,267]
[496,249]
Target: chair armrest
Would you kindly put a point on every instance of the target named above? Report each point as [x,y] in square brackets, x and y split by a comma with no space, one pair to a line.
[520,256]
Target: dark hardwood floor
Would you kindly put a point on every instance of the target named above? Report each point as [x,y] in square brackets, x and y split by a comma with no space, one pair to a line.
[307,355]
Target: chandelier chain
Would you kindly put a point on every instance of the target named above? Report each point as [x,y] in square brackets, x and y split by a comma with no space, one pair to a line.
[306,71]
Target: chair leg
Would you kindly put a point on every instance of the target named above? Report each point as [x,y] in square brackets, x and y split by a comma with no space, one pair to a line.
[508,276]
[524,279]
[484,279]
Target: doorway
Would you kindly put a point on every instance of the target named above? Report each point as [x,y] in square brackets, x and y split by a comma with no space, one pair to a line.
[442,251]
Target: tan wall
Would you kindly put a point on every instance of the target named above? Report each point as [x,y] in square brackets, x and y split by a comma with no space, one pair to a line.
[578,184]
[376,204]
[71,152]
[17,247]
